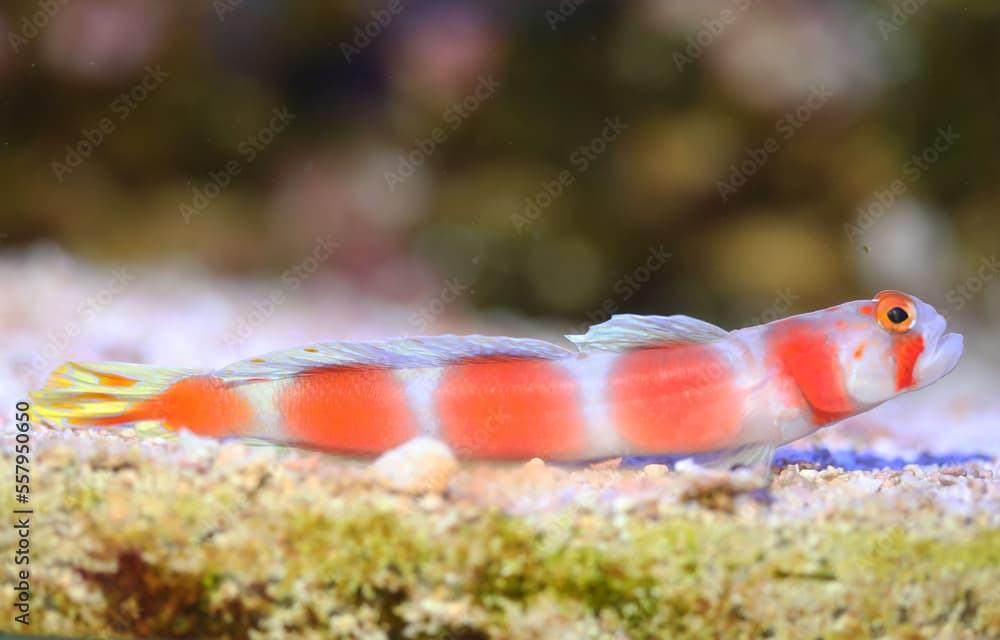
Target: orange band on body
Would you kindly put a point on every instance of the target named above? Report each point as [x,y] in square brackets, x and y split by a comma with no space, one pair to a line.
[204,405]
[350,409]
[512,409]
[675,399]
[905,350]
[807,360]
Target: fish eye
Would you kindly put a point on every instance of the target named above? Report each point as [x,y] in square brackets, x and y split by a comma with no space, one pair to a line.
[897,315]
[895,311]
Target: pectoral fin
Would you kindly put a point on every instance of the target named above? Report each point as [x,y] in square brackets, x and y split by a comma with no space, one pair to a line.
[757,455]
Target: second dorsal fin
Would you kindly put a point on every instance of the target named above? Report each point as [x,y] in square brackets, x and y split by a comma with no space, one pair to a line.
[629,331]
[399,353]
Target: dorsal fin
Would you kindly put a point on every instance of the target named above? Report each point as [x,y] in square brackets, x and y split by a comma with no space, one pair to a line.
[401,353]
[629,331]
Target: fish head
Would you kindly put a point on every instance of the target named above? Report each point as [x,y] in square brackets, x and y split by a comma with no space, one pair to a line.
[892,344]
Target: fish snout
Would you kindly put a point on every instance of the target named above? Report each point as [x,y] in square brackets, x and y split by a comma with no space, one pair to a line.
[942,350]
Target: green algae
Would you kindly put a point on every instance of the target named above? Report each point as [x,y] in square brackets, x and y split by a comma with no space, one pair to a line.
[358,562]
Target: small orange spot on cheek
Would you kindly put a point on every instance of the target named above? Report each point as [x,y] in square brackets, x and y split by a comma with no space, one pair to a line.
[868,310]
[860,351]
[841,324]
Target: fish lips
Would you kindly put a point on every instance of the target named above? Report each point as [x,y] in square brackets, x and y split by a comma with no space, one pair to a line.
[940,361]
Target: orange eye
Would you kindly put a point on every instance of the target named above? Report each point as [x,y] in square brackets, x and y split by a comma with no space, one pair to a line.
[895,311]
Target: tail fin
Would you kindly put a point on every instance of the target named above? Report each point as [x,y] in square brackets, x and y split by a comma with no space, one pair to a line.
[93,394]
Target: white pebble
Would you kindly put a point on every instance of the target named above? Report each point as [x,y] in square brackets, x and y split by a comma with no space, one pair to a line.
[655,470]
[422,465]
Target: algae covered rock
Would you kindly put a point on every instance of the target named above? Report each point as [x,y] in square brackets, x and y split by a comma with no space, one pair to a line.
[143,538]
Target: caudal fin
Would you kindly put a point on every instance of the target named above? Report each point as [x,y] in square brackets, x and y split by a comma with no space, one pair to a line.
[96,394]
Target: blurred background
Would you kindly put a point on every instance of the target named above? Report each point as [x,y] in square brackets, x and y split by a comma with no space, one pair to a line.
[195,182]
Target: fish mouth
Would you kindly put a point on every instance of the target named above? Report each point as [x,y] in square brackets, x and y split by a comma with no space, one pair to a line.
[947,352]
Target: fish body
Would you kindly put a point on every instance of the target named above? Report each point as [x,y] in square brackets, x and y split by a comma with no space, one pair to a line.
[633,385]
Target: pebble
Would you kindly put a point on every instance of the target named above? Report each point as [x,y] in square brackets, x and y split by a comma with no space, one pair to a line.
[655,470]
[535,464]
[422,465]
[612,463]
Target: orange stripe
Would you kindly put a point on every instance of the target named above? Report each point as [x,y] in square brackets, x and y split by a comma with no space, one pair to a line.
[57,379]
[905,350]
[204,405]
[677,399]
[350,409]
[64,405]
[95,395]
[512,409]
[109,421]
[110,379]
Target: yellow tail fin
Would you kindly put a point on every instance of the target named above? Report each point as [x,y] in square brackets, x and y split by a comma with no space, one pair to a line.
[84,394]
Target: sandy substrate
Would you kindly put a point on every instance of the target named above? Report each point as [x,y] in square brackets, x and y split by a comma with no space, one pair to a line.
[195,538]
[186,537]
